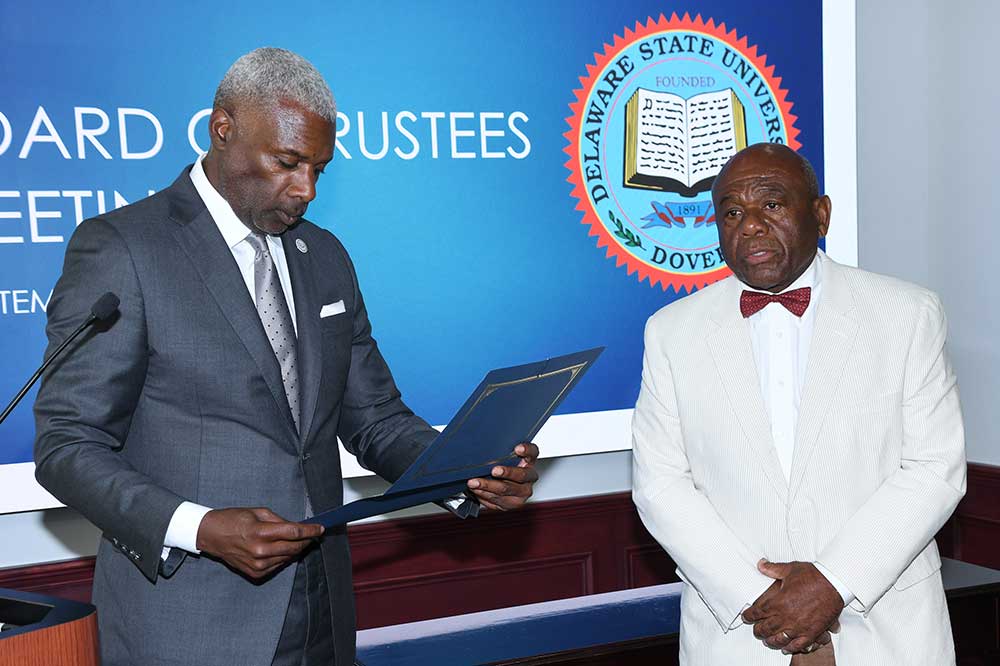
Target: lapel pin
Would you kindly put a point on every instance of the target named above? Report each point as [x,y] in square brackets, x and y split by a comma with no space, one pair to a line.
[301,245]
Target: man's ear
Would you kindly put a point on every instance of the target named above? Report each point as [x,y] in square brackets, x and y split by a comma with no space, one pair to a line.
[221,127]
[821,210]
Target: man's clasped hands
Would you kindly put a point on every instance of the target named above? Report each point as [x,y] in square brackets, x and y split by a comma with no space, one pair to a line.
[798,612]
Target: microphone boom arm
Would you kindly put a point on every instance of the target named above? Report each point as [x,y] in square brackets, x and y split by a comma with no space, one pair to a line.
[103,308]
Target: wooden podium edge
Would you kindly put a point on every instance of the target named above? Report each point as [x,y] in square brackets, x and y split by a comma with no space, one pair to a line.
[72,643]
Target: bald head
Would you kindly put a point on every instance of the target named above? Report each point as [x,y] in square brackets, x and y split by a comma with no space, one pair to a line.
[779,153]
[769,214]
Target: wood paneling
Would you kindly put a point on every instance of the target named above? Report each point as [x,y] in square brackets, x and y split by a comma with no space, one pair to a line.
[648,564]
[70,580]
[468,590]
[976,522]
[549,550]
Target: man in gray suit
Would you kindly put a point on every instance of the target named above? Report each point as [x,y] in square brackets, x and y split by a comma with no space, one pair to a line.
[241,351]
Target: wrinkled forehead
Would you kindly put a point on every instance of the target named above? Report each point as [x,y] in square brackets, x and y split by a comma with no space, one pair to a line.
[759,172]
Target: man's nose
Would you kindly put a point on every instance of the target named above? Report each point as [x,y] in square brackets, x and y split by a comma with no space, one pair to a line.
[753,222]
[303,185]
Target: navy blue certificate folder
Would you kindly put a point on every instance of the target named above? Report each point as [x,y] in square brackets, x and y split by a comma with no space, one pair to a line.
[509,406]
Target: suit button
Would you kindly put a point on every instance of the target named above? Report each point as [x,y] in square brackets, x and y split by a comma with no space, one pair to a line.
[305,456]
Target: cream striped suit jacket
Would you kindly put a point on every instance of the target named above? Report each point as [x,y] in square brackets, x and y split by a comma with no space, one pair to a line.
[879,465]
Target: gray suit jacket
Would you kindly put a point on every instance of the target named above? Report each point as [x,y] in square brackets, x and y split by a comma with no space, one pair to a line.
[180,398]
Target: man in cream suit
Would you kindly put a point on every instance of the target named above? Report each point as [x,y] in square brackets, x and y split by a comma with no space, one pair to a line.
[798,442]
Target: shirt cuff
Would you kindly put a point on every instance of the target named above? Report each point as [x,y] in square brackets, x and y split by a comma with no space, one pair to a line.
[182,532]
[845,594]
[462,506]
[738,620]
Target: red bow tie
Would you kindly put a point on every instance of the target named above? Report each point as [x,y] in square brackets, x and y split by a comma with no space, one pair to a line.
[795,301]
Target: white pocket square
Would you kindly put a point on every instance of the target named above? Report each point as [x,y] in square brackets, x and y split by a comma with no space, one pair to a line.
[331,309]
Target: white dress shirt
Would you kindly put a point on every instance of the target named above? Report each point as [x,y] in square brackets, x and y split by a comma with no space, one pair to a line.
[780,343]
[182,532]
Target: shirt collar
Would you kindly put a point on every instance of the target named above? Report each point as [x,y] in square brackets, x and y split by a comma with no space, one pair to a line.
[233,231]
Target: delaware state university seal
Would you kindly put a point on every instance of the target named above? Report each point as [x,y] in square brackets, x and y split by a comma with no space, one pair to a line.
[658,114]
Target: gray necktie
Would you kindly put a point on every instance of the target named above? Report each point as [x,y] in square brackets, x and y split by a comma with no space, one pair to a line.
[277,320]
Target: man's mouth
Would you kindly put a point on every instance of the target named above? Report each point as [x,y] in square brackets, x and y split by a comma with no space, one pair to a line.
[759,256]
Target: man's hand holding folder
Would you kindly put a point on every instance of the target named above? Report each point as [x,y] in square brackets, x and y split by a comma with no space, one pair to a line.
[510,487]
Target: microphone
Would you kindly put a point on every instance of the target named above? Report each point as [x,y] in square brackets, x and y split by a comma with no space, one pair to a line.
[101,311]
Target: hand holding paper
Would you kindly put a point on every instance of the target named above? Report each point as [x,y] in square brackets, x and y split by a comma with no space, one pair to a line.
[510,487]
[255,541]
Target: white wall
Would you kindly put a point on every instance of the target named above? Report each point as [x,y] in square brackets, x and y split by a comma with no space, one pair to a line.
[927,149]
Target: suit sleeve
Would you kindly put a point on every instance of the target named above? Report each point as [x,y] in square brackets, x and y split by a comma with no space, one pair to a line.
[709,556]
[86,400]
[376,426]
[900,519]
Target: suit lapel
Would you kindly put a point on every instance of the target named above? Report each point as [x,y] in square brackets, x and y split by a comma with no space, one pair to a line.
[833,339]
[199,237]
[731,348]
[307,306]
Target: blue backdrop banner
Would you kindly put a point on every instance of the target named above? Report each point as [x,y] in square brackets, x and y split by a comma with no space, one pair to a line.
[513,180]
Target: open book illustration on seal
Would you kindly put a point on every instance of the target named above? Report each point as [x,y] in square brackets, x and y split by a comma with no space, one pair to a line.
[678,145]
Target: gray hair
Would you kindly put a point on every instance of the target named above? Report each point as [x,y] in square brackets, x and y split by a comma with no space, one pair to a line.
[268,75]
